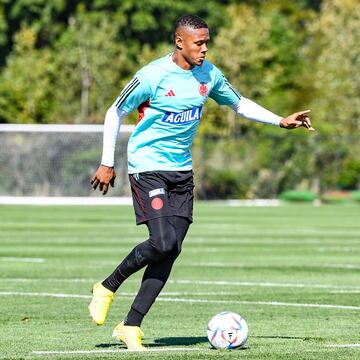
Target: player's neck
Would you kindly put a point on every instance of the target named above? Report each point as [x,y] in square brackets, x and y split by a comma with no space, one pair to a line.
[180,61]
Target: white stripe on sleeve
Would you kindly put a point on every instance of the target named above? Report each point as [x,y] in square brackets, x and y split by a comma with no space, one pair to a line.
[113,120]
[252,111]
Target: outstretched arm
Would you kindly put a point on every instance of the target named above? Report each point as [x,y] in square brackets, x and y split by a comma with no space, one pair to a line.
[252,111]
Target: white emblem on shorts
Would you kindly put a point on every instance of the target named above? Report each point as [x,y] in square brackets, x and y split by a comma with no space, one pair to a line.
[156,192]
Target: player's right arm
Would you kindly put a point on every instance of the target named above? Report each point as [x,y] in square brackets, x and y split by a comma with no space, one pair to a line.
[137,91]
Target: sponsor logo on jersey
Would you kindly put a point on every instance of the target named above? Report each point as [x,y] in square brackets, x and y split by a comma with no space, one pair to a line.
[203,89]
[183,117]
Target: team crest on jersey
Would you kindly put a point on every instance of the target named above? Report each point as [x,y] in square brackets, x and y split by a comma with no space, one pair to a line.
[203,89]
[183,117]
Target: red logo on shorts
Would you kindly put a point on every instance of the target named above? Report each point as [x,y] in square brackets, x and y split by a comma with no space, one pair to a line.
[157,203]
[203,89]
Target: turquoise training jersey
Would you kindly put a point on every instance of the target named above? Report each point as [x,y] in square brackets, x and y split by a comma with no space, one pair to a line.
[170,101]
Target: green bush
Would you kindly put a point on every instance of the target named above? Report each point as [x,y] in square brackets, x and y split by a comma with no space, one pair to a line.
[223,184]
[296,195]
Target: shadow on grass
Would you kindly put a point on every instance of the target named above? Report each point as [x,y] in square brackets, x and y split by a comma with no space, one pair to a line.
[168,341]
[184,341]
[110,345]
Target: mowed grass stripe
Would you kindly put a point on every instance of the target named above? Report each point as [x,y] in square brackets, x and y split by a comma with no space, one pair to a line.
[208,283]
[109,351]
[183,300]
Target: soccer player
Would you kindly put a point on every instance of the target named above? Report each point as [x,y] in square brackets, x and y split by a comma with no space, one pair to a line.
[169,94]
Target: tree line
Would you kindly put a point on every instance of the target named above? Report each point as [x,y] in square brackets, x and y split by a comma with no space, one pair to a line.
[66,61]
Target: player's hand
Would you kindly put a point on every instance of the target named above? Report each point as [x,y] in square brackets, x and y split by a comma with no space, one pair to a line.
[297,120]
[104,176]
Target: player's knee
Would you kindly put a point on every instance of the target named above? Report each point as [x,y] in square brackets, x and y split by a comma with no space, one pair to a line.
[165,240]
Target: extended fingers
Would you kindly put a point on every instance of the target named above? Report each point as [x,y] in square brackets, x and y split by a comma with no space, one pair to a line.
[300,113]
[104,177]
[105,189]
[112,182]
[297,120]
[307,123]
[305,120]
[102,186]
[95,182]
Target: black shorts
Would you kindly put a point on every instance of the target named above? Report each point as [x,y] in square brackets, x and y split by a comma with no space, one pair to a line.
[162,193]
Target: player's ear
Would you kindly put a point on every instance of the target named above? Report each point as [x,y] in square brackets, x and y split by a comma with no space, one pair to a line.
[178,41]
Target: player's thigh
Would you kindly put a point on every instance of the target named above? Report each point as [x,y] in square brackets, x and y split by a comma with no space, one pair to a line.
[150,196]
[182,195]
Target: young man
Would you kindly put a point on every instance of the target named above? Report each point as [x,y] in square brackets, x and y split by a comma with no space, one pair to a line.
[169,93]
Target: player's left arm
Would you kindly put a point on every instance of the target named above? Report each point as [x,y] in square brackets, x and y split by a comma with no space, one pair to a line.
[225,94]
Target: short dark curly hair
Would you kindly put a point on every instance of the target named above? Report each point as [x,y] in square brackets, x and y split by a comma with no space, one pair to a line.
[191,21]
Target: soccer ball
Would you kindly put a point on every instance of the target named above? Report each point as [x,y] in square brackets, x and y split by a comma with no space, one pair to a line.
[227,330]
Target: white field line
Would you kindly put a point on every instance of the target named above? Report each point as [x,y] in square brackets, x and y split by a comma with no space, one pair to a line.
[201,282]
[70,296]
[237,265]
[329,249]
[87,128]
[254,202]
[21,260]
[87,200]
[244,241]
[107,351]
[54,200]
[345,292]
[271,303]
[123,294]
[264,284]
[340,266]
[212,250]
[343,346]
[183,300]
[53,280]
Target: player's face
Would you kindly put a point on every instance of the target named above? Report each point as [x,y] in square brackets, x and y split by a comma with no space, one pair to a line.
[193,44]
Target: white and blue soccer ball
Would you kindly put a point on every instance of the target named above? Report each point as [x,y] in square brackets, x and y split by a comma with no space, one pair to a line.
[227,330]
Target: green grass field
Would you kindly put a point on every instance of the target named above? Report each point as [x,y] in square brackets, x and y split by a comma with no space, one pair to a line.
[293,272]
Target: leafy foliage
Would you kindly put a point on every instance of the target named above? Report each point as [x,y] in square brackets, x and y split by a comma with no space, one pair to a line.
[333,55]
[65,61]
[26,94]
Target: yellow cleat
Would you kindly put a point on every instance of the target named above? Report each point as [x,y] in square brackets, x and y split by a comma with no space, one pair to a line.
[100,303]
[131,336]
